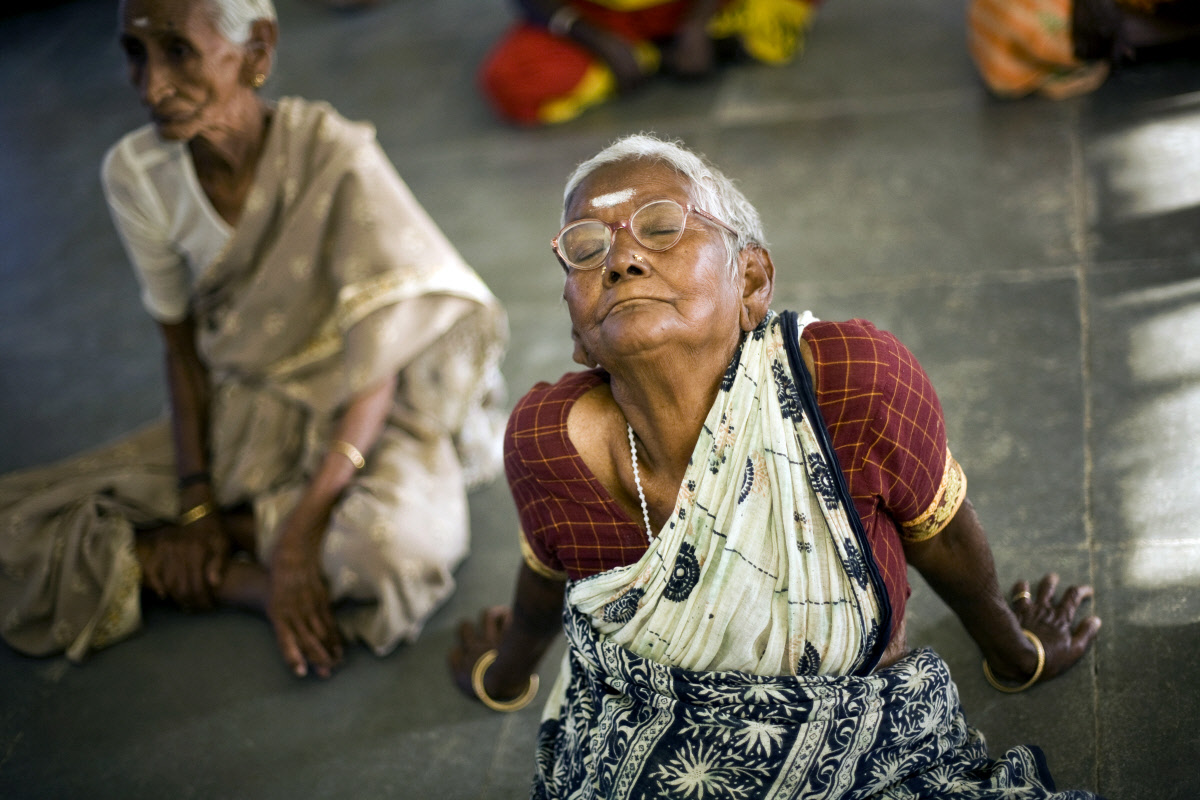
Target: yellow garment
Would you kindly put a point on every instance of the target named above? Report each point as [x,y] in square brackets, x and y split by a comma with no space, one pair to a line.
[597,85]
[772,31]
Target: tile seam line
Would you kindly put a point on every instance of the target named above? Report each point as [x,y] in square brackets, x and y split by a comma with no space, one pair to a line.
[1079,233]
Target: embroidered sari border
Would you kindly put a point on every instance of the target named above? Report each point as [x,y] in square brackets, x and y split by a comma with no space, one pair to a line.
[950,495]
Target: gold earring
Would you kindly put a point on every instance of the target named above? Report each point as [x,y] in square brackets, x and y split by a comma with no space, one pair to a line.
[258,80]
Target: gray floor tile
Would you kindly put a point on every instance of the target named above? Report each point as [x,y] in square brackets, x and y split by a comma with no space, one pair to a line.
[1144,189]
[916,194]
[1149,597]
[1006,360]
[1040,258]
[1144,430]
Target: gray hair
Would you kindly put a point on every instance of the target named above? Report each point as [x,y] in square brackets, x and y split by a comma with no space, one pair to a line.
[715,193]
[235,18]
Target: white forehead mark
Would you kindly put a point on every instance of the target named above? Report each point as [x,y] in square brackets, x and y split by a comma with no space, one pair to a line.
[141,22]
[612,198]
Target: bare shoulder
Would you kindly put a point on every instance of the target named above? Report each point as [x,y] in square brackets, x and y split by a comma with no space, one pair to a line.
[810,363]
[596,428]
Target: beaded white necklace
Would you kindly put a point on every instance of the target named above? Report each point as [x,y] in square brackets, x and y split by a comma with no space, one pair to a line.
[638,482]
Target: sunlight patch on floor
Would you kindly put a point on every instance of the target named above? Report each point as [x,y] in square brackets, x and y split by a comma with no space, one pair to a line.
[1154,168]
[1160,502]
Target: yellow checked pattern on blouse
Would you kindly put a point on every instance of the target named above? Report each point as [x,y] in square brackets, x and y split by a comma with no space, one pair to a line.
[943,508]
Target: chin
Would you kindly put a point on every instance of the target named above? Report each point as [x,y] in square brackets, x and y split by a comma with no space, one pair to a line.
[177,129]
[172,131]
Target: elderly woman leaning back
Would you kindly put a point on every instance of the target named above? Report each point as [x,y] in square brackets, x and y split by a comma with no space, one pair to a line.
[729,498]
[331,362]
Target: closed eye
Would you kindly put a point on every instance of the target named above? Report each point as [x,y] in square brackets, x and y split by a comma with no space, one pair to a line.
[135,51]
[178,49]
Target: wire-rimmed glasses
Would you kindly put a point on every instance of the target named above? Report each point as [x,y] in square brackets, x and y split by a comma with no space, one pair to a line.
[658,226]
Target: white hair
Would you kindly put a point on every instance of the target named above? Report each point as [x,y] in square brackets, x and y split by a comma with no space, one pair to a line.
[235,18]
[715,193]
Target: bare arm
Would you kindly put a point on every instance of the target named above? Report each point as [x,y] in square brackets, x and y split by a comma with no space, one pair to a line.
[188,563]
[958,564]
[298,604]
[187,383]
[690,54]
[520,635]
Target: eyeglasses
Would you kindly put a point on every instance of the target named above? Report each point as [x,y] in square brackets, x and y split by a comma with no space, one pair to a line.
[658,225]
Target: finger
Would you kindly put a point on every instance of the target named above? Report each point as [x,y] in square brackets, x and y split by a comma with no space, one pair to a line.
[466,634]
[198,587]
[495,622]
[1020,593]
[181,575]
[319,657]
[152,574]
[1084,633]
[313,648]
[331,636]
[154,581]
[290,651]
[1046,589]
[214,570]
[485,617]
[175,580]
[1072,598]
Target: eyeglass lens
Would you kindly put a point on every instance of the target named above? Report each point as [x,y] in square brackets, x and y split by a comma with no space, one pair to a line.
[656,226]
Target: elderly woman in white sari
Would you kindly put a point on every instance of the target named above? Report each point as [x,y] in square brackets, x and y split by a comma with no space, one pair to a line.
[332,365]
[729,498]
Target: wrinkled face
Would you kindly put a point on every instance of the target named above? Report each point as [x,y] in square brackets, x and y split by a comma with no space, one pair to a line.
[641,302]
[186,72]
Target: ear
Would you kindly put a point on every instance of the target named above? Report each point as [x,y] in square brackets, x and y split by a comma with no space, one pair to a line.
[260,49]
[758,285]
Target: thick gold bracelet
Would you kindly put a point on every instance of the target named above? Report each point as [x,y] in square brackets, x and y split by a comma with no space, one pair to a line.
[517,703]
[1037,673]
[195,513]
[349,451]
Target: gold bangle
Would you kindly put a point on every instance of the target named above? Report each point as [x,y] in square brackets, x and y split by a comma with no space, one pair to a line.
[1037,673]
[195,513]
[517,703]
[349,451]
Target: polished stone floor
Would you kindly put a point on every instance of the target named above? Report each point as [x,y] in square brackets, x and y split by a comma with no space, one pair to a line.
[1041,259]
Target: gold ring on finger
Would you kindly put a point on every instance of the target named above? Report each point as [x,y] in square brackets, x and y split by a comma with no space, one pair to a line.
[1025,595]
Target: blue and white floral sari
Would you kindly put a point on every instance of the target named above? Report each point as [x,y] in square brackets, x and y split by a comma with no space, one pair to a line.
[736,658]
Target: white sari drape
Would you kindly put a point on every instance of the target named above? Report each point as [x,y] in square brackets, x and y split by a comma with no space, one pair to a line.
[759,569]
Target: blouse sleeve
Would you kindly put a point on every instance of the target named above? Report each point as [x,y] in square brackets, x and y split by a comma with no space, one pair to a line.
[143,227]
[522,466]
[884,403]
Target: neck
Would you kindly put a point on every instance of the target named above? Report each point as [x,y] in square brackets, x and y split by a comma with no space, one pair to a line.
[666,401]
[231,149]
